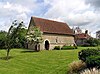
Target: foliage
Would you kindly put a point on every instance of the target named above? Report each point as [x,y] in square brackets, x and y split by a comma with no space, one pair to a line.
[91,71]
[91,57]
[12,35]
[21,40]
[85,45]
[93,61]
[57,47]
[35,36]
[83,54]
[20,43]
[76,66]
[2,39]
[67,47]
[93,42]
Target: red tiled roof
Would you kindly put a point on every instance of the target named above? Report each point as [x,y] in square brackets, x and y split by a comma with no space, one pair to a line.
[50,26]
[82,36]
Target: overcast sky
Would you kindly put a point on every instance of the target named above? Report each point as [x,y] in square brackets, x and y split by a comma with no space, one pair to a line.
[82,13]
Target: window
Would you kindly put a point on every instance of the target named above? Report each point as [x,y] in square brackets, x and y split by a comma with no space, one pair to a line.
[56,39]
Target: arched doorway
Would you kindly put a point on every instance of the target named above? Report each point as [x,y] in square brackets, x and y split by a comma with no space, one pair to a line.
[37,47]
[47,45]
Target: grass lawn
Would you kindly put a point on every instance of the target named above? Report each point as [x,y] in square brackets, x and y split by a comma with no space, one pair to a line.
[43,62]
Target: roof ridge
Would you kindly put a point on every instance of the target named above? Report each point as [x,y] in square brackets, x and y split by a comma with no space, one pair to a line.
[48,19]
[51,26]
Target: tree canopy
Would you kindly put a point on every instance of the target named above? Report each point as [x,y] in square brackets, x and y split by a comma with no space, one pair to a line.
[2,39]
[14,36]
[35,36]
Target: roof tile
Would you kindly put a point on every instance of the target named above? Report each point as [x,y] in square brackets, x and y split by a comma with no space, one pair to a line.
[50,26]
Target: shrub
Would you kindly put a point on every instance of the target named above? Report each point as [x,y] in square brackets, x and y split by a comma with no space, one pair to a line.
[93,42]
[91,71]
[86,45]
[93,61]
[67,47]
[76,66]
[57,47]
[83,54]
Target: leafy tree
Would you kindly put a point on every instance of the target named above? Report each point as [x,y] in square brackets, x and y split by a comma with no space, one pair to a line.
[93,42]
[35,36]
[22,39]
[2,39]
[20,43]
[12,35]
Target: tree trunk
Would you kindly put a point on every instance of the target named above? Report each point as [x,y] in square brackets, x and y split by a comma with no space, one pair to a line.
[7,57]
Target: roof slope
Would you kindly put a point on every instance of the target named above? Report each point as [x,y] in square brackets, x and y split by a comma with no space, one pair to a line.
[82,36]
[49,26]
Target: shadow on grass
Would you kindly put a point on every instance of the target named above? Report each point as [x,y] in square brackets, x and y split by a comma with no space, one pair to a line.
[5,58]
[28,51]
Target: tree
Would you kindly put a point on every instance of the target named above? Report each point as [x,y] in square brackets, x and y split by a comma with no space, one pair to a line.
[12,35]
[2,39]
[35,36]
[21,40]
[93,42]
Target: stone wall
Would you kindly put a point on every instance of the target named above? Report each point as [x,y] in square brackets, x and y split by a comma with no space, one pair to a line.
[54,40]
[57,40]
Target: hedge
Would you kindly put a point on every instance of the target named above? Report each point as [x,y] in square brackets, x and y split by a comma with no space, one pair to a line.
[93,61]
[83,54]
[67,47]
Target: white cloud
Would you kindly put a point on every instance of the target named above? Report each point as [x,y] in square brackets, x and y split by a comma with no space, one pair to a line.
[11,10]
[8,5]
[16,7]
[75,13]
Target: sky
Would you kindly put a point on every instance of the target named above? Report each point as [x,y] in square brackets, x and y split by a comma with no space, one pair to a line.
[82,13]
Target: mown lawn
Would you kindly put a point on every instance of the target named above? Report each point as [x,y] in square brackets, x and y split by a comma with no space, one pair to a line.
[43,62]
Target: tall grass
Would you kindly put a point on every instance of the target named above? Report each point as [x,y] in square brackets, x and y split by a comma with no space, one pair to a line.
[91,71]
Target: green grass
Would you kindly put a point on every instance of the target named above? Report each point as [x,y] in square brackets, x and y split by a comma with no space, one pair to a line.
[43,62]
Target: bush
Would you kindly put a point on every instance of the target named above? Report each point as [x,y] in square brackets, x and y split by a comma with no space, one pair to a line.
[86,45]
[57,47]
[93,61]
[76,67]
[67,47]
[83,54]
[93,42]
[91,71]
